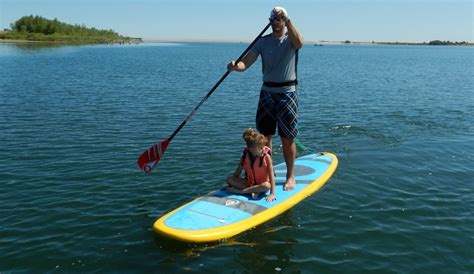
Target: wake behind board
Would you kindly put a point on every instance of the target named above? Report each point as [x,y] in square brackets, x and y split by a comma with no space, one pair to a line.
[219,215]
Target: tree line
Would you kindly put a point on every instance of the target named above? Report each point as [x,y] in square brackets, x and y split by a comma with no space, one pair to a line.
[42,29]
[447,43]
[38,24]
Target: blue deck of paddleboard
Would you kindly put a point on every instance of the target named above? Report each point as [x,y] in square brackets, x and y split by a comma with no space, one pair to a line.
[220,208]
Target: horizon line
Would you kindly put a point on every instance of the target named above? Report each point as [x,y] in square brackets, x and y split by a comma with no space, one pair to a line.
[322,41]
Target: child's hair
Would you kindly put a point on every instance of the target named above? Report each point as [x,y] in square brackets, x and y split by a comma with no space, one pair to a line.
[252,136]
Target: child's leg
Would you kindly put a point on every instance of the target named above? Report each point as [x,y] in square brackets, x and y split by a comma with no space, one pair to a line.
[237,182]
[239,186]
[247,190]
[233,189]
[257,188]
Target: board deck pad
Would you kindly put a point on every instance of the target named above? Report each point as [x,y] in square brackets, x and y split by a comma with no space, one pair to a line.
[219,214]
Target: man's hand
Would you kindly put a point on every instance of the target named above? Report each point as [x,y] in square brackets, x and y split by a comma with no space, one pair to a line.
[246,62]
[231,66]
[240,66]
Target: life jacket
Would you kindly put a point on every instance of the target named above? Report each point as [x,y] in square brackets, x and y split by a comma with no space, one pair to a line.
[257,172]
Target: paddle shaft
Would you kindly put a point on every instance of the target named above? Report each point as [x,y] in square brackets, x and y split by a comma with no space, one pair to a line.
[216,85]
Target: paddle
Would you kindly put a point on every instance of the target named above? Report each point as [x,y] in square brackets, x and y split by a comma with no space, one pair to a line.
[150,157]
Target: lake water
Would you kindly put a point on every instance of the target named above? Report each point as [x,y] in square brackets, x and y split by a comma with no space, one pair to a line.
[73,120]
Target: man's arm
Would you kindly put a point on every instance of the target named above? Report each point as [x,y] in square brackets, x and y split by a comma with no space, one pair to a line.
[294,35]
[246,62]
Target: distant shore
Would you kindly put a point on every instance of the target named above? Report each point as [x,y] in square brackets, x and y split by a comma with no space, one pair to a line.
[309,42]
[129,40]
[16,41]
[430,43]
[6,37]
[73,41]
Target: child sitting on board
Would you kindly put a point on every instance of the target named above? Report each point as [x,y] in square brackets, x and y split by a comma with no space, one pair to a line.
[257,163]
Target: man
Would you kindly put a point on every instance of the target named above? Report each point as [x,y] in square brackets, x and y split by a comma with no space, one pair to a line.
[278,103]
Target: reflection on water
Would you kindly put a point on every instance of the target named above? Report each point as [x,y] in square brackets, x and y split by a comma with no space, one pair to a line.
[250,250]
[33,47]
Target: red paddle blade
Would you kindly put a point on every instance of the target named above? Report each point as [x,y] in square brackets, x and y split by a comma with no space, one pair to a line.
[150,157]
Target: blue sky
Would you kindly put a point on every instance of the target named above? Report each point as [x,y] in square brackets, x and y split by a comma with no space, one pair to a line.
[241,20]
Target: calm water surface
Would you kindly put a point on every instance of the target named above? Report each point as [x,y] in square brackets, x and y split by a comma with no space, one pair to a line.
[73,119]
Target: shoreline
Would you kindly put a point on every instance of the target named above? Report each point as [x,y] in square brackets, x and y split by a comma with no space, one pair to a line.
[85,41]
[192,40]
[309,42]
[18,41]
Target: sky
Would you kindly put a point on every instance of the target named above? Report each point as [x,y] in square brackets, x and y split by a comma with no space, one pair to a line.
[241,20]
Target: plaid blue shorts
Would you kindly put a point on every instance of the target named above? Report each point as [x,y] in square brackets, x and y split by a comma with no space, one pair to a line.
[278,109]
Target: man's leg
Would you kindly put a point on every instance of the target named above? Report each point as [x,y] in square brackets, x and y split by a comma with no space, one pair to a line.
[265,118]
[269,141]
[289,153]
[287,129]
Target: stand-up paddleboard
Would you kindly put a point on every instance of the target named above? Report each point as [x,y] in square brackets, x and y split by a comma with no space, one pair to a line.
[219,215]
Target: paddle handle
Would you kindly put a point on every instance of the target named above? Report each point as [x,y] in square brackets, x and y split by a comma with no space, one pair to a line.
[217,84]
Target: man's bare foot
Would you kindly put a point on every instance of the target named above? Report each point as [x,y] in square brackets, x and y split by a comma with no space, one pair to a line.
[290,184]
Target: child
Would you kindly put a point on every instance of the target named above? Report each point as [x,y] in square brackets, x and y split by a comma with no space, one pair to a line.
[257,162]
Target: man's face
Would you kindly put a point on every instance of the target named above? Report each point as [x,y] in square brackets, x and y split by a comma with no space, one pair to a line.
[277,23]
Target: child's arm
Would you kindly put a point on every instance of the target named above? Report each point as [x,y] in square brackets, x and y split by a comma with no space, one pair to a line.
[238,170]
[271,197]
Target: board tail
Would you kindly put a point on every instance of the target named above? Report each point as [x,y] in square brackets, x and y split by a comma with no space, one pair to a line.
[150,157]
